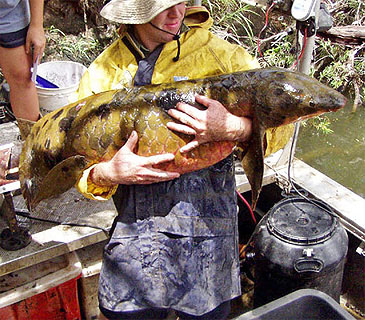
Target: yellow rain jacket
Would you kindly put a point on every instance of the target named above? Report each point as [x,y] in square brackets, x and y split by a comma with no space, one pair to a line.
[209,55]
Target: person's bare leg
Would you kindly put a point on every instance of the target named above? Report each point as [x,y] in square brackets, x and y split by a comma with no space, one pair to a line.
[15,65]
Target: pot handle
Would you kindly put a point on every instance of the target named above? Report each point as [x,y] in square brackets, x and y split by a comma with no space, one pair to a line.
[308,265]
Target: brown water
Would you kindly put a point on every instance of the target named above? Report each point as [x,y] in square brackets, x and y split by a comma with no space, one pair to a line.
[341,154]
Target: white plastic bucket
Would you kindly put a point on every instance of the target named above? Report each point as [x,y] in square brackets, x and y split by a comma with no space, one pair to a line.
[66,75]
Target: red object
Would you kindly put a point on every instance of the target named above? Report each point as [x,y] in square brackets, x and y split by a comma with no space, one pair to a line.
[58,303]
[248,206]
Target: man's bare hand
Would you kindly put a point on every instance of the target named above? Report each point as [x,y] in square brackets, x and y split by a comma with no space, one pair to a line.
[126,167]
[213,124]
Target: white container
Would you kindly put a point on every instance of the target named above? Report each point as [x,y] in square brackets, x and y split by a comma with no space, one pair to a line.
[91,259]
[66,75]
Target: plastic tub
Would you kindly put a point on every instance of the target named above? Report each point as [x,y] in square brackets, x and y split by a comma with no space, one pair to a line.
[304,304]
[64,74]
[42,292]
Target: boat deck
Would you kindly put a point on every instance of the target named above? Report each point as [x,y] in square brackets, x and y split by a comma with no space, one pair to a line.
[51,240]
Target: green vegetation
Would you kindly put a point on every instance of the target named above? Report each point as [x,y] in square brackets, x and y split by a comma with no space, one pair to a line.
[232,20]
[80,48]
[348,12]
[321,123]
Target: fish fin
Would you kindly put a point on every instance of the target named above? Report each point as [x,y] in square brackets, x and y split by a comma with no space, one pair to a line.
[59,179]
[25,127]
[253,162]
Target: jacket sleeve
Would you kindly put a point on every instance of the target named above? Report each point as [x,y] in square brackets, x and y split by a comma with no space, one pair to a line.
[92,191]
[277,138]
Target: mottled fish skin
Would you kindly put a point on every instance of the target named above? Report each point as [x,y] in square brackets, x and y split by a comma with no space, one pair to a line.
[65,142]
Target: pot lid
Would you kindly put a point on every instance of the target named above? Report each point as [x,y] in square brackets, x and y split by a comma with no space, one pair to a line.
[297,220]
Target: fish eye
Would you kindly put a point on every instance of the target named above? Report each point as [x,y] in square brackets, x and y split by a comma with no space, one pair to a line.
[312,104]
[278,91]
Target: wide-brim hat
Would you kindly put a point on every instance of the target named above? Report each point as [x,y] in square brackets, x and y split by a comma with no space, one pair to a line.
[135,11]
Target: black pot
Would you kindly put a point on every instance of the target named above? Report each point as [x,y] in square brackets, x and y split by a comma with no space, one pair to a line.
[298,244]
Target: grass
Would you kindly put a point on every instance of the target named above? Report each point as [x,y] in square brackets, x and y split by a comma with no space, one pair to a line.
[83,49]
[232,20]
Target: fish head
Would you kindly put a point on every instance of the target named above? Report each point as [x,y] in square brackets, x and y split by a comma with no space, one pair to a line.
[288,97]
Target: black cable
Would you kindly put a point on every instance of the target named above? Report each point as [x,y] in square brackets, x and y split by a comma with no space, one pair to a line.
[176,37]
[291,183]
[26,214]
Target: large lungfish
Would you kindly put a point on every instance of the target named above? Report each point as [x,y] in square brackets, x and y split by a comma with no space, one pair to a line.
[63,143]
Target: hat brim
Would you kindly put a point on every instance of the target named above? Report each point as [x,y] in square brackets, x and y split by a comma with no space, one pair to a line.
[135,11]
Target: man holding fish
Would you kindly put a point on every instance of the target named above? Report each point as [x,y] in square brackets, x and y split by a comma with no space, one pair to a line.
[174,244]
